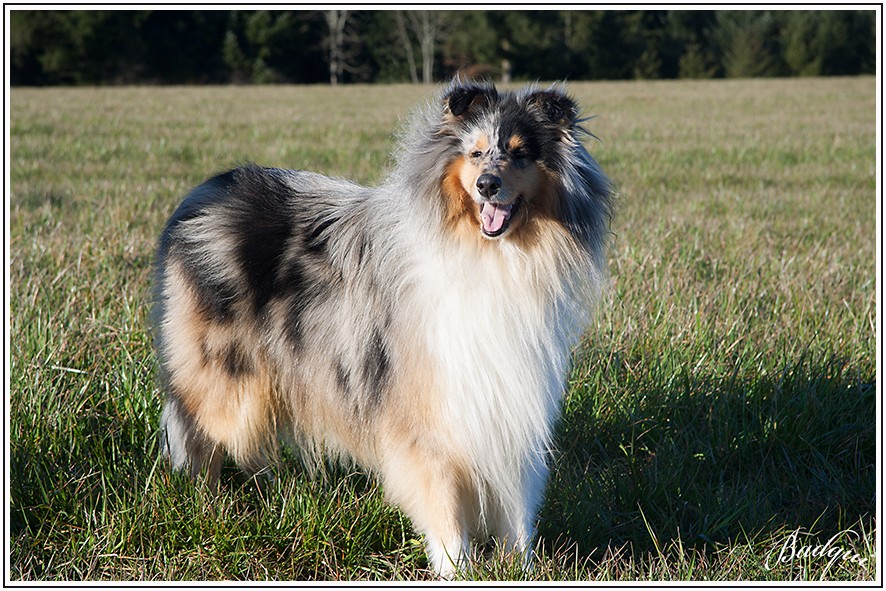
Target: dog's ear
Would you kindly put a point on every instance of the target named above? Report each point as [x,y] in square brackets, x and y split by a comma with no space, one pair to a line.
[461,100]
[555,107]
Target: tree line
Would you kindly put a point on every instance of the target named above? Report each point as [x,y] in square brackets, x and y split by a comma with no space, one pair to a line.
[340,46]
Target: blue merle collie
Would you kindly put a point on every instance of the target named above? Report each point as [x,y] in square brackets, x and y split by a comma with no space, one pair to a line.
[422,328]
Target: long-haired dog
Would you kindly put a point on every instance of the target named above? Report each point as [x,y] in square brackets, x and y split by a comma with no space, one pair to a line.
[422,328]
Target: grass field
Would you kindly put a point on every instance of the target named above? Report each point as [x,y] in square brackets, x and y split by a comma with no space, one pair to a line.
[721,413]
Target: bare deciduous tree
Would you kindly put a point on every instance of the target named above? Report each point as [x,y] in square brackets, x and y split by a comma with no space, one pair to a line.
[336,20]
[425,27]
[407,45]
[344,46]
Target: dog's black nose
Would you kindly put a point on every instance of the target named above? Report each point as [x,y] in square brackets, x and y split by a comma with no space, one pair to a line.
[488,185]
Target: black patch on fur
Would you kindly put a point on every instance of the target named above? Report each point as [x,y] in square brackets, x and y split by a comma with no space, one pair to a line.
[294,281]
[265,224]
[303,284]
[342,378]
[376,366]
[558,108]
[215,298]
[466,99]
[205,355]
[529,132]
[315,242]
[235,361]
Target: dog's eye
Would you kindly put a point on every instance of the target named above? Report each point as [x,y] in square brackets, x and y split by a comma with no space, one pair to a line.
[476,154]
[519,155]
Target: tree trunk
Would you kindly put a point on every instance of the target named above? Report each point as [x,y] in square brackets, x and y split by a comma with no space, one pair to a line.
[426,26]
[336,20]
[407,45]
[428,37]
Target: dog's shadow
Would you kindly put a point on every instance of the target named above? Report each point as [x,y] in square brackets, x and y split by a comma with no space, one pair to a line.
[712,459]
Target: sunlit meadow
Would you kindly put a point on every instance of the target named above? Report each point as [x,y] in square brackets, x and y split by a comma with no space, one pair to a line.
[722,405]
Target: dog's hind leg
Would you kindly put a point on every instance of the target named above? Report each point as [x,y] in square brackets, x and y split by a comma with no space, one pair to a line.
[186,447]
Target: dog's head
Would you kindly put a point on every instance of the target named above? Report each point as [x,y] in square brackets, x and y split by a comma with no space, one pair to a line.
[508,151]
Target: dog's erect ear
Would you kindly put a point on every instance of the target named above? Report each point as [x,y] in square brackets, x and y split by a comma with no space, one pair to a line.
[461,100]
[555,107]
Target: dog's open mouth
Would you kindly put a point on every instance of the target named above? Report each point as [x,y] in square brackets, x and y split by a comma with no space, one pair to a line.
[496,217]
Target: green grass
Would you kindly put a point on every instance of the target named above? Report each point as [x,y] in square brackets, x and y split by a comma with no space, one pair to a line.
[724,399]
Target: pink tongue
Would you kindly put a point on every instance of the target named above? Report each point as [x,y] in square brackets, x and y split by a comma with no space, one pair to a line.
[494,215]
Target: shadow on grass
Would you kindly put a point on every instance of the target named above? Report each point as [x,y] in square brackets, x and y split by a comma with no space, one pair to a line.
[704,459]
[710,460]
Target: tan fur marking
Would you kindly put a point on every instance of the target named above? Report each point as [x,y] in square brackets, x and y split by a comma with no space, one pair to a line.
[515,142]
[462,214]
